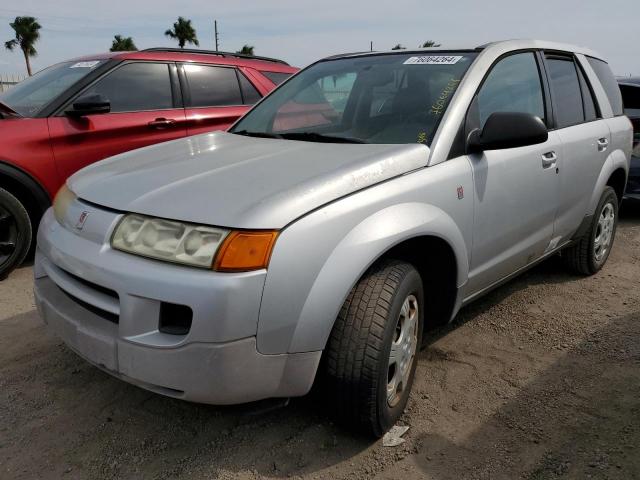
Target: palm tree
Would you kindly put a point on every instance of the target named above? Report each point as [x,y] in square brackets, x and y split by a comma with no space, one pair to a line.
[398,47]
[184,32]
[246,50]
[122,44]
[429,44]
[27,34]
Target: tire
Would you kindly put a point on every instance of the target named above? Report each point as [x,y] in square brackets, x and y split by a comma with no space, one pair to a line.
[15,233]
[588,255]
[378,313]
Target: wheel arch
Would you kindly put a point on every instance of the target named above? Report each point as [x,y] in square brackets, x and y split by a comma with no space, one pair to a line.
[613,173]
[25,188]
[410,228]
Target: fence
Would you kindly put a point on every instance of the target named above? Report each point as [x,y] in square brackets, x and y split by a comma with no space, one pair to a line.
[8,80]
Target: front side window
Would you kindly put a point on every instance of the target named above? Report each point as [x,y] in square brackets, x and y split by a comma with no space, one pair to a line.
[513,85]
[212,86]
[33,94]
[565,88]
[136,87]
[388,99]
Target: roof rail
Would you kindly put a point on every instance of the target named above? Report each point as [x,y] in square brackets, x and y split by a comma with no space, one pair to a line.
[213,52]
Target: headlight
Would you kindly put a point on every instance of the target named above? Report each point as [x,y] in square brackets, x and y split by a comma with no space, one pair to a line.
[168,240]
[200,246]
[61,202]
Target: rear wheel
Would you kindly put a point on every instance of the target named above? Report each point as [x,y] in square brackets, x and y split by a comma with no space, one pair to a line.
[15,233]
[371,356]
[590,253]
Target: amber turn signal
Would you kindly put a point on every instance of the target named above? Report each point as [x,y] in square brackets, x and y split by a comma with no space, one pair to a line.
[244,251]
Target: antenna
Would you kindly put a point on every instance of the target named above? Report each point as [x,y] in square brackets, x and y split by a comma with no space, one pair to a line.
[215,29]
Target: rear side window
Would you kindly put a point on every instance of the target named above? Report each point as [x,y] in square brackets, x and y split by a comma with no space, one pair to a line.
[249,93]
[513,85]
[565,88]
[276,77]
[136,87]
[603,72]
[212,86]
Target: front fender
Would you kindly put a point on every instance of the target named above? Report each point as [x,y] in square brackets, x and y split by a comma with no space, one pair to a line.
[297,315]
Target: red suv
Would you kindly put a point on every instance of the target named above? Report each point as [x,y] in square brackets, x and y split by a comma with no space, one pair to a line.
[77,112]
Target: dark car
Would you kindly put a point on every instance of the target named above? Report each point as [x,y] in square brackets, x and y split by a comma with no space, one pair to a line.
[80,111]
[630,88]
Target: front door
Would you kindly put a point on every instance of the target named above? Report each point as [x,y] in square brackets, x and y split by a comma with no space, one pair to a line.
[143,112]
[516,189]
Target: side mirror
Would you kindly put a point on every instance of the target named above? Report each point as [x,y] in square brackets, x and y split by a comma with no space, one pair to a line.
[89,105]
[508,130]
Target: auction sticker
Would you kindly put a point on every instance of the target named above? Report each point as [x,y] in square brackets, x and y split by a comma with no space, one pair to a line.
[85,64]
[433,60]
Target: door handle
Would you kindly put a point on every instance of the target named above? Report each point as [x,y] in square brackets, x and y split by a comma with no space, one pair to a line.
[161,123]
[549,159]
[603,143]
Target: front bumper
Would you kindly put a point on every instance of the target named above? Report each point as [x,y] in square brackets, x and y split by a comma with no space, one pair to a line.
[106,304]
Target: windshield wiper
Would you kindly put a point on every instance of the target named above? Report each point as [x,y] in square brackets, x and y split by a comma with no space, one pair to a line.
[320,137]
[247,133]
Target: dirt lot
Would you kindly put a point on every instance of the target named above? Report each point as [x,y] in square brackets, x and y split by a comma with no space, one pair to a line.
[541,379]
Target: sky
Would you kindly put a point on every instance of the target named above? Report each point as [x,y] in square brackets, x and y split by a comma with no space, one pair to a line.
[300,31]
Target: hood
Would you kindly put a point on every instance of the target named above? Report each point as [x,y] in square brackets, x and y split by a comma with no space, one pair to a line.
[235,181]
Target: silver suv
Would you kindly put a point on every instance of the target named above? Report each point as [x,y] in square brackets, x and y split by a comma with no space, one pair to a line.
[365,200]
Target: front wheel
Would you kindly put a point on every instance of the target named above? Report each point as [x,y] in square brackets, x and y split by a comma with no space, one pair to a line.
[371,355]
[590,253]
[15,233]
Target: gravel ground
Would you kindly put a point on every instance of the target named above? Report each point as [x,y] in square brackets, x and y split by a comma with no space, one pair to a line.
[540,379]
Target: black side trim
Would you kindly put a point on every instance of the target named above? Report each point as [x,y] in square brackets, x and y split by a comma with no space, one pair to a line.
[582,229]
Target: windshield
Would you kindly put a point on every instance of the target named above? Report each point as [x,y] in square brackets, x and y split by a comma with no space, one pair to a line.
[390,98]
[34,93]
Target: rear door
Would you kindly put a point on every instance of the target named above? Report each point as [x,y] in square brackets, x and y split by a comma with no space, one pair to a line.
[516,189]
[215,96]
[146,108]
[585,140]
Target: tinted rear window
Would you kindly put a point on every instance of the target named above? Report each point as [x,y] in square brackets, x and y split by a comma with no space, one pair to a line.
[565,86]
[609,84]
[212,86]
[277,77]
[249,93]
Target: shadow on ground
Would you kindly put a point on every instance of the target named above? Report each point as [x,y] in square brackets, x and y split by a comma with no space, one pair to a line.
[579,419]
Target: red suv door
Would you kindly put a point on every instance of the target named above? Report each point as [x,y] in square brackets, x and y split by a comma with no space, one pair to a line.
[146,108]
[215,96]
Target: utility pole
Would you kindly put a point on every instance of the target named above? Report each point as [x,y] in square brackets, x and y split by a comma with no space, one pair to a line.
[215,29]
[372,45]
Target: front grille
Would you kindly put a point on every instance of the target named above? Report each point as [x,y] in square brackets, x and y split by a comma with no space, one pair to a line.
[99,288]
[111,317]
